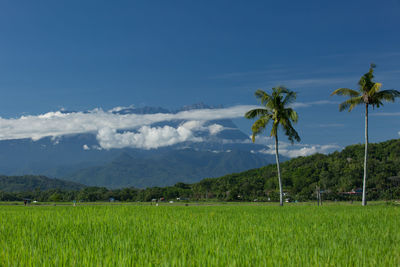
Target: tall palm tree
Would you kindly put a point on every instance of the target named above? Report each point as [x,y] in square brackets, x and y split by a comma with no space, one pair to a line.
[368,94]
[275,109]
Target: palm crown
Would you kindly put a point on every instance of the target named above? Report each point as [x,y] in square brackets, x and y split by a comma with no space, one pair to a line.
[276,110]
[369,93]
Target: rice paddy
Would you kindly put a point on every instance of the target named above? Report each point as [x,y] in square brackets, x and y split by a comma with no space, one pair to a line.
[220,235]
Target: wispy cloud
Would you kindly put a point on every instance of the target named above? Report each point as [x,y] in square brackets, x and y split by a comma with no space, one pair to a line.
[290,76]
[314,103]
[331,125]
[277,70]
[119,108]
[385,114]
[314,82]
[389,54]
[364,55]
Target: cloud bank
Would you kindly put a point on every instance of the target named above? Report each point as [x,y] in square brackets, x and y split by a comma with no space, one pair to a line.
[106,124]
[137,130]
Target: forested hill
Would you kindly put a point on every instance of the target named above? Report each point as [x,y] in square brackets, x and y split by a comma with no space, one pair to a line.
[335,173]
[32,183]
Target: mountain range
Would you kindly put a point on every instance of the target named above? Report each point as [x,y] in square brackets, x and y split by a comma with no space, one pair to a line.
[81,158]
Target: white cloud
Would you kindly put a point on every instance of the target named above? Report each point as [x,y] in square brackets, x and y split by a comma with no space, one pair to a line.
[117,109]
[112,129]
[297,150]
[57,123]
[215,128]
[193,125]
[55,140]
[292,150]
[86,147]
[154,137]
[147,137]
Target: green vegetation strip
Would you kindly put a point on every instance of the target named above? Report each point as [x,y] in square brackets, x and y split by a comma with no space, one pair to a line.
[334,235]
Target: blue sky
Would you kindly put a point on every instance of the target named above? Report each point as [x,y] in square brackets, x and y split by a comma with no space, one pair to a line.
[81,55]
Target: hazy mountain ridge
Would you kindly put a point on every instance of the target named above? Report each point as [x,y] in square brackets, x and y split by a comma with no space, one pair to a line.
[32,183]
[168,168]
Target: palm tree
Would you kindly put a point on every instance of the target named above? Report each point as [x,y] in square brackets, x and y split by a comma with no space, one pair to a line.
[368,94]
[275,109]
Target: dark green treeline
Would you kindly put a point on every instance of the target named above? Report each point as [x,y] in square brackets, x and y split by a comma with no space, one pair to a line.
[335,174]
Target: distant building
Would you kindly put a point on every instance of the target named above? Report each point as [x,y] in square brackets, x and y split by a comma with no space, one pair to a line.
[356,192]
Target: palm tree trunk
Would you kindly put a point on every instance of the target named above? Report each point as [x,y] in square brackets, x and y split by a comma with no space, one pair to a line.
[279,171]
[364,200]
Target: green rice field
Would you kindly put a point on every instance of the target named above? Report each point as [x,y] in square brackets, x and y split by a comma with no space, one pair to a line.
[215,235]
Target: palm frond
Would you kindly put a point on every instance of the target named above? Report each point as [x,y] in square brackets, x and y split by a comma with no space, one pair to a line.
[290,131]
[375,89]
[293,115]
[388,95]
[263,96]
[366,82]
[346,92]
[289,114]
[281,90]
[273,104]
[274,129]
[258,112]
[351,103]
[289,98]
[259,93]
[259,126]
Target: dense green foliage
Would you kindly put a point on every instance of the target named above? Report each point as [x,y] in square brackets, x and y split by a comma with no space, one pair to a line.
[200,236]
[335,173]
[34,182]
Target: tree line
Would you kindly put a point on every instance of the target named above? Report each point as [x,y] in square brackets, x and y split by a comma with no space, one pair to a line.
[336,174]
